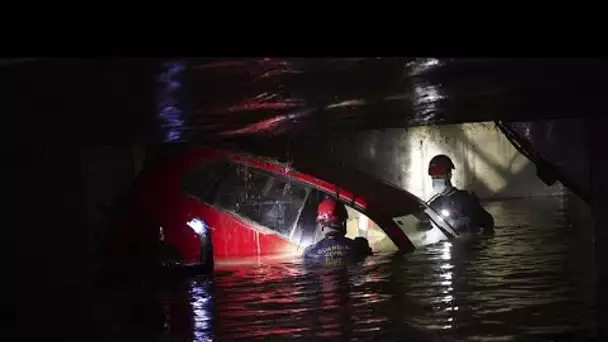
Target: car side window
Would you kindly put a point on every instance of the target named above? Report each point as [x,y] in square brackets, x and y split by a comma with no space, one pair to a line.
[203,180]
[270,200]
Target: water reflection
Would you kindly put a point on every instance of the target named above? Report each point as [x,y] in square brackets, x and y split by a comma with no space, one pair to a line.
[202,311]
[169,106]
[532,280]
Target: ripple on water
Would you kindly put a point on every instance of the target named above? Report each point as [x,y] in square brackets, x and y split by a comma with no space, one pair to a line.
[529,281]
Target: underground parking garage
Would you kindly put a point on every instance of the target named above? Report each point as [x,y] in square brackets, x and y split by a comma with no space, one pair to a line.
[84,166]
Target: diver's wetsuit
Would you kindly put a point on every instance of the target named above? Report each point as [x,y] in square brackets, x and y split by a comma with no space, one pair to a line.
[336,250]
[465,211]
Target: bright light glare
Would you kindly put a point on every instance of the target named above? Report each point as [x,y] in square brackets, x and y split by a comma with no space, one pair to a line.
[433,235]
[362,222]
[197,225]
[201,308]
[447,252]
[421,65]
[297,249]
[416,167]
[447,277]
[445,213]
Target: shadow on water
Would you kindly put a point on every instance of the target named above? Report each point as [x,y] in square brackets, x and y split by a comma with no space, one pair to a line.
[531,280]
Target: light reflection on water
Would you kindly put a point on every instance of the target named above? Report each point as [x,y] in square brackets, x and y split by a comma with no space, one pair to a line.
[532,280]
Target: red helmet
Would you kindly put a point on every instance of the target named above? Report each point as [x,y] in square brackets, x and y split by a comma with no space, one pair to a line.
[440,166]
[332,212]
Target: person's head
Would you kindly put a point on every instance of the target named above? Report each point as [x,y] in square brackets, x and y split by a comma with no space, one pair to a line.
[440,170]
[331,217]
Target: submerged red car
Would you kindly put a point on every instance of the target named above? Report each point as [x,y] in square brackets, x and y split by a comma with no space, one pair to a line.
[208,204]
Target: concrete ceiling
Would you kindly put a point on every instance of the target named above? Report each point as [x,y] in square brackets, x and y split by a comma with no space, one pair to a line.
[125,100]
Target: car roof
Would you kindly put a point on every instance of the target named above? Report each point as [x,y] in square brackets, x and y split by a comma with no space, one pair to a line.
[353,186]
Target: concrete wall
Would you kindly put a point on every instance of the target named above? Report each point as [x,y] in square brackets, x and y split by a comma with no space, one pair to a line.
[486,162]
[599,203]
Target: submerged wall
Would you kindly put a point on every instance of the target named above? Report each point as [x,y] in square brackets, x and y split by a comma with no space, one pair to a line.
[486,162]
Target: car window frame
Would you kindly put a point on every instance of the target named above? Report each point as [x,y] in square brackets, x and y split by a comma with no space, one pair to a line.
[211,197]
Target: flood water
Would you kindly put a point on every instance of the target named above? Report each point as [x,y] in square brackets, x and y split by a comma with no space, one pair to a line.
[532,281]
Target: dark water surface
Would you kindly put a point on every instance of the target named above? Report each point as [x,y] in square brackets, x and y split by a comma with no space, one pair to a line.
[533,280]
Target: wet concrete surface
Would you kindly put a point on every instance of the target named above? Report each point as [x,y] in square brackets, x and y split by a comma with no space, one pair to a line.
[532,281]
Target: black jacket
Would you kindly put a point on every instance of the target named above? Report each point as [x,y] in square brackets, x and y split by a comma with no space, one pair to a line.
[463,211]
[336,250]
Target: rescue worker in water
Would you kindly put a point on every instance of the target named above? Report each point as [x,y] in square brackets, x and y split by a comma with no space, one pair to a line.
[335,248]
[459,207]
